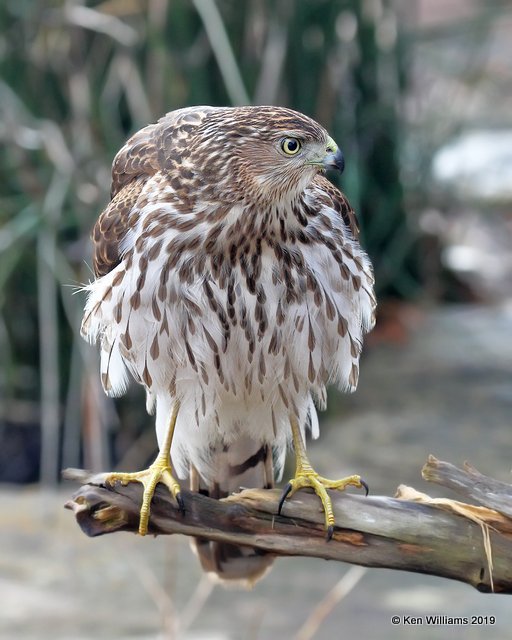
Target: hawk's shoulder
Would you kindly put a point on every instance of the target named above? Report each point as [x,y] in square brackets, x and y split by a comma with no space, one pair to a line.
[132,167]
[150,149]
[148,152]
[112,225]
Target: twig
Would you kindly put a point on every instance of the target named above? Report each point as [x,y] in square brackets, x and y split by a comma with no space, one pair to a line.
[343,587]
[195,603]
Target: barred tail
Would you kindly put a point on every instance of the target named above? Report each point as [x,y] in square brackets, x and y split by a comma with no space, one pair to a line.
[248,464]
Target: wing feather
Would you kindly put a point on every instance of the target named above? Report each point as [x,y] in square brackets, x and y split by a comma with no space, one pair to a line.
[112,225]
[133,165]
[146,153]
[339,202]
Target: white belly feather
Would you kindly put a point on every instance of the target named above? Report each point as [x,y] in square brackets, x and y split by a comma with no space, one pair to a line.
[207,345]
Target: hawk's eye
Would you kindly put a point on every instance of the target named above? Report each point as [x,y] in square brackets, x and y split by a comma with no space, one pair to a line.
[290,146]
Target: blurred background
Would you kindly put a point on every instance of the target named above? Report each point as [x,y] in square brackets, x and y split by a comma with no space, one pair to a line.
[418,93]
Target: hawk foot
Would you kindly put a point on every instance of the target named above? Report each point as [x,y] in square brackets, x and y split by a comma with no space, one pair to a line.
[308,478]
[159,471]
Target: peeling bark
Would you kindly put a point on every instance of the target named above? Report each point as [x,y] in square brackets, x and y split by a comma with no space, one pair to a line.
[411,532]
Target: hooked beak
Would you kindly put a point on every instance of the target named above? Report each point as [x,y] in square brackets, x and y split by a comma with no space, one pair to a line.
[334,158]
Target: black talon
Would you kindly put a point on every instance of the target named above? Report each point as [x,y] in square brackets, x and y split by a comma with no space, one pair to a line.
[330,531]
[366,487]
[284,495]
[181,504]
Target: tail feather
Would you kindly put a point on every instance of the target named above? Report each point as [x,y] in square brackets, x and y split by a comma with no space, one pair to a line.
[241,464]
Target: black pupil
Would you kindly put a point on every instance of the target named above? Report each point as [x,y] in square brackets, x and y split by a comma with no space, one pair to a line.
[292,145]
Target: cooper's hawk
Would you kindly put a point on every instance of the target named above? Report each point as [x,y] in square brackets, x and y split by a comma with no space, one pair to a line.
[232,286]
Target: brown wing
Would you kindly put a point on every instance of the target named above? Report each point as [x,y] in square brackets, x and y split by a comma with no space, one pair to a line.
[147,152]
[339,202]
[113,224]
[138,157]
[134,164]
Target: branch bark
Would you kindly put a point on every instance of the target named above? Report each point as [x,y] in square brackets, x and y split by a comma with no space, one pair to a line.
[411,532]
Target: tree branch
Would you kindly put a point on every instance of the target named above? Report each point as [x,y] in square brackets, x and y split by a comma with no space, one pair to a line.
[410,532]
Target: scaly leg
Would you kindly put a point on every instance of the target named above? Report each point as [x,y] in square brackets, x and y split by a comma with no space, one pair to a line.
[306,476]
[159,471]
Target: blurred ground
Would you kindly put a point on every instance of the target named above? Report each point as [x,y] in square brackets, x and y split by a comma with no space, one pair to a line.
[446,390]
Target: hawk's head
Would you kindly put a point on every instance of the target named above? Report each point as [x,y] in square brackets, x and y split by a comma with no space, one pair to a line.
[261,153]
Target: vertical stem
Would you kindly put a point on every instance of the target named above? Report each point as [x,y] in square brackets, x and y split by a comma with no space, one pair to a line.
[72,419]
[49,357]
[93,422]
[222,50]
[47,292]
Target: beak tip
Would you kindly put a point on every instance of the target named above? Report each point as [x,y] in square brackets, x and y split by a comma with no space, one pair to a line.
[335,160]
[340,161]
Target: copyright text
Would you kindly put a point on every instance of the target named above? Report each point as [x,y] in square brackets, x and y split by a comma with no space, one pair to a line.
[433,620]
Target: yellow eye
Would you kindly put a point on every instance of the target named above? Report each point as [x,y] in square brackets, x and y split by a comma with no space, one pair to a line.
[290,146]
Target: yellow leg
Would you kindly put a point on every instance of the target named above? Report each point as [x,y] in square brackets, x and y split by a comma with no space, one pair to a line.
[159,471]
[306,476]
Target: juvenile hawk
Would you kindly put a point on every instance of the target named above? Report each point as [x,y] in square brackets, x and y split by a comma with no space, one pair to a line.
[232,286]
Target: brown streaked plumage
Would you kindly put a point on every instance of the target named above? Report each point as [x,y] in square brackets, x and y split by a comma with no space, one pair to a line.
[231,284]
